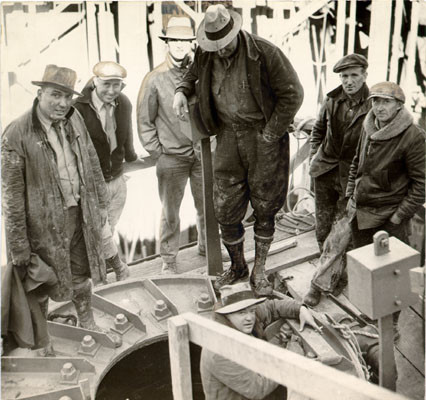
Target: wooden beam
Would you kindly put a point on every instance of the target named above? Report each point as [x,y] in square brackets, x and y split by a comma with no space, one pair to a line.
[378,49]
[180,362]
[352,25]
[341,26]
[214,256]
[280,365]
[396,41]
[387,367]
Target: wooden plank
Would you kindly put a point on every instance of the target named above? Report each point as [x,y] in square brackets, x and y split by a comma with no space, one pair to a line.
[180,363]
[387,367]
[282,366]
[352,23]
[340,29]
[396,41]
[214,256]
[410,382]
[417,280]
[306,249]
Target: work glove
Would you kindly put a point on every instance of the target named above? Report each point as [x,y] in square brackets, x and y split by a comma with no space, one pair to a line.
[305,317]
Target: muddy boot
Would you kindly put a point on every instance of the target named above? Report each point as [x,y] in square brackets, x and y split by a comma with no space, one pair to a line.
[259,282]
[313,297]
[238,269]
[120,268]
[82,299]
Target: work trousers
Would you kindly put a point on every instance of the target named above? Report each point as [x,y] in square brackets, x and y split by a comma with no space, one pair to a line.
[247,168]
[80,268]
[173,173]
[330,203]
[117,191]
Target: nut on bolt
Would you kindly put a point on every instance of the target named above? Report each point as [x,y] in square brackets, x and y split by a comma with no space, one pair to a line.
[160,309]
[68,372]
[121,322]
[88,344]
[204,302]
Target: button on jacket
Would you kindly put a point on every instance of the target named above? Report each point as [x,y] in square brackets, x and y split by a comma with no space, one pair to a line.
[111,163]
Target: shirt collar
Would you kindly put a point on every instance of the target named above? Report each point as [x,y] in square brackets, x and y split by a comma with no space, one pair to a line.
[97,102]
[46,122]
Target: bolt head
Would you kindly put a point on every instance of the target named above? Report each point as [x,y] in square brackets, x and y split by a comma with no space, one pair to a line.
[68,372]
[160,309]
[204,301]
[88,344]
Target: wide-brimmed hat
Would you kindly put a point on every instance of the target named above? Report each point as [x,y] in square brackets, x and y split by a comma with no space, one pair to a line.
[179,28]
[218,28]
[387,90]
[59,77]
[237,297]
[107,70]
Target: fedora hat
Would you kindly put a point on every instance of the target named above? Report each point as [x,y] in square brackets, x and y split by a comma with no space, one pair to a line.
[179,28]
[237,297]
[60,77]
[218,28]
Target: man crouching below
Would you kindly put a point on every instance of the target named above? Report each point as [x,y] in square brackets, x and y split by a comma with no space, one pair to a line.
[239,309]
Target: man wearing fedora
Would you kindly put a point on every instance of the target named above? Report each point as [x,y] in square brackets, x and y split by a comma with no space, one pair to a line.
[107,113]
[160,134]
[248,93]
[334,139]
[241,310]
[54,194]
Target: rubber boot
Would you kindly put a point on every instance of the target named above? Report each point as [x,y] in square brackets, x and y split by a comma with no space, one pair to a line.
[46,351]
[313,297]
[238,269]
[119,267]
[259,282]
[82,299]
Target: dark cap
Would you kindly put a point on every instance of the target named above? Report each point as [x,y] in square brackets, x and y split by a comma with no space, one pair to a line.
[349,61]
[387,90]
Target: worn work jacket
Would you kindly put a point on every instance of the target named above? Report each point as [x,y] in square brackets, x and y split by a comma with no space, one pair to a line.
[272,79]
[387,174]
[158,126]
[226,380]
[330,147]
[111,163]
[34,207]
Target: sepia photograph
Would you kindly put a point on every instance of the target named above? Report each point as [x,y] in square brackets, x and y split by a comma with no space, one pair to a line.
[219,200]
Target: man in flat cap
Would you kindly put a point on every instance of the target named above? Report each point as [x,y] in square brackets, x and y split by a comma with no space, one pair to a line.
[387,175]
[107,113]
[160,134]
[333,143]
[54,196]
[248,94]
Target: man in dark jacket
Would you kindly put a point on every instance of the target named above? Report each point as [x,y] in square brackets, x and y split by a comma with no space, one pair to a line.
[387,176]
[248,94]
[333,143]
[107,113]
[54,197]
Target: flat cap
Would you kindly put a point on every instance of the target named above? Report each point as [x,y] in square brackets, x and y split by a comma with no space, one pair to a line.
[107,70]
[349,61]
[387,90]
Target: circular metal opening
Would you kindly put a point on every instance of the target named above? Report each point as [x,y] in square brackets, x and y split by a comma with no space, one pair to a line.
[145,374]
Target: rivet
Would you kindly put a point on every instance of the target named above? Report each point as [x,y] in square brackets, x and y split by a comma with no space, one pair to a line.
[397,272]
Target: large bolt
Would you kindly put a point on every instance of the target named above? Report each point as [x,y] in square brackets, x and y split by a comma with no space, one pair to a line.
[88,344]
[68,372]
[121,322]
[160,309]
[204,302]
[65,398]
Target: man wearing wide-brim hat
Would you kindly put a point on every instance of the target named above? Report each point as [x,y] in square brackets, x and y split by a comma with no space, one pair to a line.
[248,94]
[54,196]
[387,175]
[160,133]
[239,309]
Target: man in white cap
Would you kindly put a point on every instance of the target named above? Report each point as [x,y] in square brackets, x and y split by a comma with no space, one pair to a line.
[161,136]
[54,196]
[239,309]
[107,113]
[248,94]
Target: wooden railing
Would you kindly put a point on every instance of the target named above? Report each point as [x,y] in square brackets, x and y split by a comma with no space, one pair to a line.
[302,375]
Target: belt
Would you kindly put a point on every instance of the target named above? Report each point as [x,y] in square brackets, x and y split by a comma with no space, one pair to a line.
[243,126]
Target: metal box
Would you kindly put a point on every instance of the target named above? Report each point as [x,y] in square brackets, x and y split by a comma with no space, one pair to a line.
[379,285]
